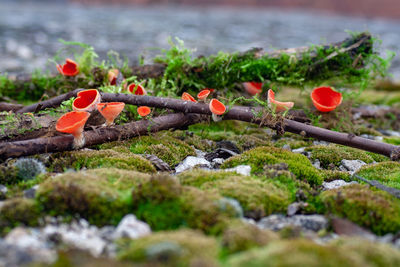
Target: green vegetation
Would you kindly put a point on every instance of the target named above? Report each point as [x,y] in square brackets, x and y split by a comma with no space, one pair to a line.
[298,164]
[333,154]
[376,210]
[387,173]
[171,248]
[91,159]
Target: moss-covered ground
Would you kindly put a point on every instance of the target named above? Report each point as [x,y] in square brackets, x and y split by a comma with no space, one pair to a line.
[197,216]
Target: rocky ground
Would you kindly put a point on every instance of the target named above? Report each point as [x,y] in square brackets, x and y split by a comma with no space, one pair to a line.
[226,193]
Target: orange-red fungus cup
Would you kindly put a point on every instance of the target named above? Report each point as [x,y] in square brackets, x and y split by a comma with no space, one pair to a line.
[70,68]
[110,110]
[253,88]
[217,109]
[188,97]
[112,76]
[143,111]
[326,99]
[202,96]
[136,89]
[86,100]
[73,123]
[277,105]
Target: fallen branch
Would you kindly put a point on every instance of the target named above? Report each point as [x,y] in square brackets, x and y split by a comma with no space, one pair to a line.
[98,136]
[393,191]
[248,114]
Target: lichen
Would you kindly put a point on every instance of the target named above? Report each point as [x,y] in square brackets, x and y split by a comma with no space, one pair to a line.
[333,154]
[298,164]
[376,210]
[171,248]
[387,173]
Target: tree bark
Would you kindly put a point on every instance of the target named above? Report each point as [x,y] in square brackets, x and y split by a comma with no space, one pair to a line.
[97,136]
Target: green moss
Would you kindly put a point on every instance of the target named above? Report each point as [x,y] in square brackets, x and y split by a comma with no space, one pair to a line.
[375,253]
[164,204]
[258,157]
[392,140]
[106,158]
[376,210]
[388,173]
[101,199]
[163,145]
[293,143]
[174,248]
[9,175]
[249,141]
[194,140]
[18,211]
[331,175]
[240,236]
[335,153]
[296,253]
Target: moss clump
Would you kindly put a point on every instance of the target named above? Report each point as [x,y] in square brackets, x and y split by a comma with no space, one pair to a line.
[333,154]
[375,253]
[331,175]
[240,236]
[163,145]
[258,157]
[18,211]
[249,141]
[107,158]
[376,210]
[194,140]
[9,175]
[293,143]
[164,204]
[387,173]
[101,199]
[296,253]
[29,168]
[258,198]
[174,248]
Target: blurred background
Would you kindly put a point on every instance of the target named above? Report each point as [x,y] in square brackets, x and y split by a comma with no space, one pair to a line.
[30,30]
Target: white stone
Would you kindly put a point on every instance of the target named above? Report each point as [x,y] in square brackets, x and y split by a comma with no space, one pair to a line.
[241,169]
[352,166]
[191,162]
[336,184]
[131,227]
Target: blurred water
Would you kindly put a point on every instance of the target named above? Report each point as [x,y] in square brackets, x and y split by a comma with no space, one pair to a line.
[29,32]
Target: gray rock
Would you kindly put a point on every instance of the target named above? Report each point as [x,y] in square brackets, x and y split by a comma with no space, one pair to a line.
[317,164]
[240,169]
[31,192]
[3,191]
[352,166]
[336,184]
[191,162]
[286,147]
[131,227]
[320,143]
[295,207]
[277,222]
[217,162]
[227,203]
[300,150]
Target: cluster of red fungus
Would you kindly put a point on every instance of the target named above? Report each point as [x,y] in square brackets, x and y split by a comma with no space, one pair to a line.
[324,98]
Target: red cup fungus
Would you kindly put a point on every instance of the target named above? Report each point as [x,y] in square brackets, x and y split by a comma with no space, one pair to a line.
[112,76]
[110,111]
[73,123]
[202,96]
[70,68]
[136,89]
[253,88]
[188,97]
[217,109]
[86,100]
[326,99]
[143,111]
[277,105]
